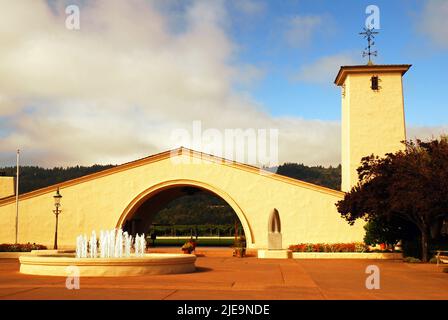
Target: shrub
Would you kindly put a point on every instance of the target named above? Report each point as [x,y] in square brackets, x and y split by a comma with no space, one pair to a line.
[189,246]
[361,247]
[21,247]
[433,260]
[329,247]
[411,260]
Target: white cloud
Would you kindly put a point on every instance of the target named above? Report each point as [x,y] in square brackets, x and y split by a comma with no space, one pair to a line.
[434,22]
[322,71]
[114,90]
[250,7]
[301,28]
[426,132]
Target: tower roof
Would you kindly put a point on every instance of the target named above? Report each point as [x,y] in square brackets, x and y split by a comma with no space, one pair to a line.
[345,70]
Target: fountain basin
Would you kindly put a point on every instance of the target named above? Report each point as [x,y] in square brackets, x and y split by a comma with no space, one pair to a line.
[152,263]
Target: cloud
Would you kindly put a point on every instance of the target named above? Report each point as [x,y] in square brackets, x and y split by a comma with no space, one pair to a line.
[250,7]
[426,132]
[301,28]
[116,89]
[434,23]
[322,70]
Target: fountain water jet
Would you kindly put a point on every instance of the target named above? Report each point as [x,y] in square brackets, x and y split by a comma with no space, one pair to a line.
[110,255]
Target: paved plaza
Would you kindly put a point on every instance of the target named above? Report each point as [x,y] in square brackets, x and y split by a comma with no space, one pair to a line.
[221,276]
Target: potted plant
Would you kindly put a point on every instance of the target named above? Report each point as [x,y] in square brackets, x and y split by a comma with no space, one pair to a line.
[239,247]
[189,246]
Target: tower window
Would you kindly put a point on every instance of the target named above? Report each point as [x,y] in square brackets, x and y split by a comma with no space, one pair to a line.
[374,83]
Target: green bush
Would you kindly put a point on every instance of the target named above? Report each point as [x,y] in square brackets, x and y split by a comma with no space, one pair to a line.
[329,247]
[412,260]
[433,260]
[21,247]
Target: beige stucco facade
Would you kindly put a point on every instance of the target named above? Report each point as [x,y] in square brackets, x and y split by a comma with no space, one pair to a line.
[7,187]
[104,200]
[372,121]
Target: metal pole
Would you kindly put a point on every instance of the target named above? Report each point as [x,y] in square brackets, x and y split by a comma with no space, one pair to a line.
[17,196]
[56,231]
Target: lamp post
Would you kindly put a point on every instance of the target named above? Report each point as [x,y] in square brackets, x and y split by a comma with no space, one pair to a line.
[57,203]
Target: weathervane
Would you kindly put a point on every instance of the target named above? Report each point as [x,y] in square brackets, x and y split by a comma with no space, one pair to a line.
[369,34]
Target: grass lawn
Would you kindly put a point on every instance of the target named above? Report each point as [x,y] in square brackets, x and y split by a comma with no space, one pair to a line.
[202,242]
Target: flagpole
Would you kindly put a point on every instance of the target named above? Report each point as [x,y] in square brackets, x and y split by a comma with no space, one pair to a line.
[17,195]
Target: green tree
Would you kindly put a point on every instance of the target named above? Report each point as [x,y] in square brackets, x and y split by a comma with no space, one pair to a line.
[388,230]
[411,185]
[328,177]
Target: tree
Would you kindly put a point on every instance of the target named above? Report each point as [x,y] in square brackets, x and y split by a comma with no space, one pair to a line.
[328,177]
[411,185]
[388,230]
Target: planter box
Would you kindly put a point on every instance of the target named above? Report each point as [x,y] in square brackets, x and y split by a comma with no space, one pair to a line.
[347,255]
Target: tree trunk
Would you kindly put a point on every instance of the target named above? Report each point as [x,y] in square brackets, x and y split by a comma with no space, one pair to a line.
[425,245]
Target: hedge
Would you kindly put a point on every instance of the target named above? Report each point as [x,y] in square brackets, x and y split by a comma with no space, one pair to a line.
[21,247]
[329,247]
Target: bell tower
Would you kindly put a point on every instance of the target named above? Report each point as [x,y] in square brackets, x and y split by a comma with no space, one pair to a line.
[372,114]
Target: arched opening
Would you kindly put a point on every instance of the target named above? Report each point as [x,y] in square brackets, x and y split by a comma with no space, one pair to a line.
[148,206]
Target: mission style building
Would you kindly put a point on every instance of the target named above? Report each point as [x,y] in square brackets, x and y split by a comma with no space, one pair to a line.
[130,195]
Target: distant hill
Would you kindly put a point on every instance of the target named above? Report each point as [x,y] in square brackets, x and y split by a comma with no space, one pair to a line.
[199,209]
[33,178]
[327,177]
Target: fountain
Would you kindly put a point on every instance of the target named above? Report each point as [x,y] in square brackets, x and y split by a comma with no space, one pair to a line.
[112,244]
[110,255]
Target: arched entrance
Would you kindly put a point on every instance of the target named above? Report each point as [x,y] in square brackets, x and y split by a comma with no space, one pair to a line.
[107,199]
[142,208]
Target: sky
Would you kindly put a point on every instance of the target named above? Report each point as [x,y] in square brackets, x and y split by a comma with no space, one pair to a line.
[116,89]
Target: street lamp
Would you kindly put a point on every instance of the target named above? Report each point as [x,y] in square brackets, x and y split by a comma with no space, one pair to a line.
[57,203]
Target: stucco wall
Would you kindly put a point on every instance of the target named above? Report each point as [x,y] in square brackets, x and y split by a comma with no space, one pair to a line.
[7,187]
[372,121]
[307,212]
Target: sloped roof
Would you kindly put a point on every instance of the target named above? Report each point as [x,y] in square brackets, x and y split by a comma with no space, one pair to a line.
[166,155]
[345,70]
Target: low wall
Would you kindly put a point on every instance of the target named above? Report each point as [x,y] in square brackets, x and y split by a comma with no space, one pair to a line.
[154,263]
[347,255]
[16,255]
[13,255]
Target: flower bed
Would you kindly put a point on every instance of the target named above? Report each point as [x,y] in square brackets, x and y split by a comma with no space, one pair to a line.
[354,250]
[330,247]
[21,247]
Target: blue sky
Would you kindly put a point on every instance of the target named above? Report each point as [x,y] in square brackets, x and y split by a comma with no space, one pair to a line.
[117,88]
[400,42]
